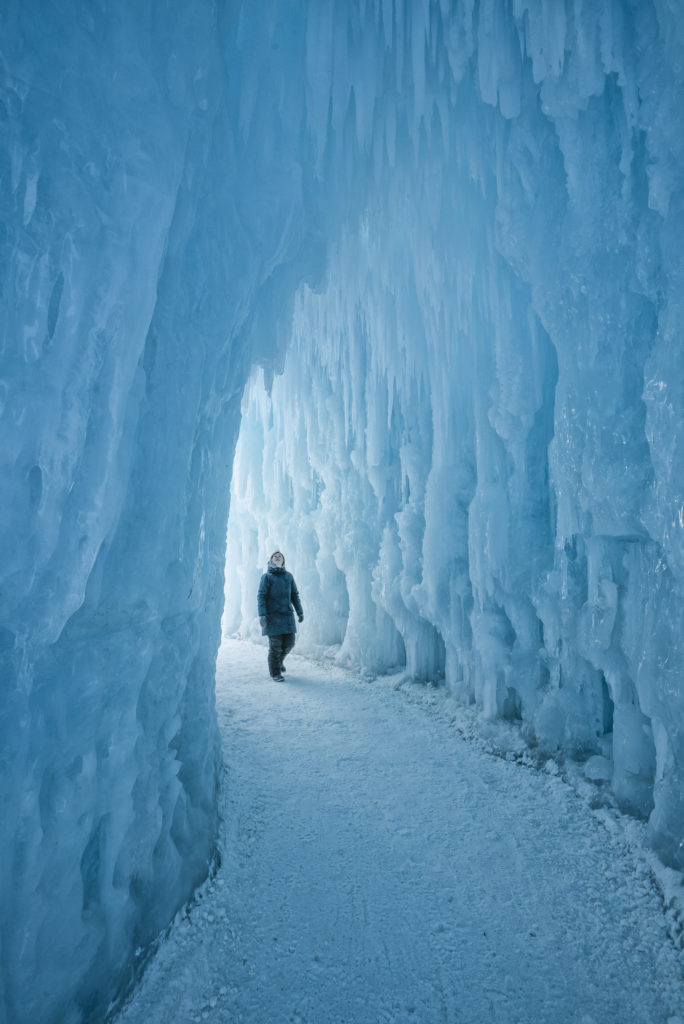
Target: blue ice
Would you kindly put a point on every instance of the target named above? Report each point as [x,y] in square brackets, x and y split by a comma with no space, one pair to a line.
[414,270]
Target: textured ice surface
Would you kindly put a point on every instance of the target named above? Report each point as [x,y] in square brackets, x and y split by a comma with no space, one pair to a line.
[112,378]
[456,228]
[473,455]
[131,259]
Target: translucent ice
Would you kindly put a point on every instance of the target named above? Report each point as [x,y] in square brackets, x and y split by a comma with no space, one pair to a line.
[135,240]
[474,445]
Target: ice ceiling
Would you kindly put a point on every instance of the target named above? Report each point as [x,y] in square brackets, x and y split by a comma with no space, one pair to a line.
[449,235]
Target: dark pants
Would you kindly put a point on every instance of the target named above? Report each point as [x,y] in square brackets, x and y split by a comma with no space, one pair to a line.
[278,649]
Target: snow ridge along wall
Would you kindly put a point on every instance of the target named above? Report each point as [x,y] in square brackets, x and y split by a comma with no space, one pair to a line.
[464,220]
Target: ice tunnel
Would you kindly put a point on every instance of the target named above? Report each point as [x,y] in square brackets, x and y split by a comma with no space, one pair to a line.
[424,257]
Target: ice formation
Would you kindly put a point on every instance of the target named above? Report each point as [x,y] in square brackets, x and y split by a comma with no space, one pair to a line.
[449,235]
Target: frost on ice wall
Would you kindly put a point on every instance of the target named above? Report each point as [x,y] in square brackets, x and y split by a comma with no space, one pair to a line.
[109,552]
[455,228]
[137,241]
[473,456]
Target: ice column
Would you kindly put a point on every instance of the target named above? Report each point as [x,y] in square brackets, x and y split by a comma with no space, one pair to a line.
[144,229]
[484,397]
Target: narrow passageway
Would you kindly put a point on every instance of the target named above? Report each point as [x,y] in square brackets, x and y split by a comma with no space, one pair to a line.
[377,868]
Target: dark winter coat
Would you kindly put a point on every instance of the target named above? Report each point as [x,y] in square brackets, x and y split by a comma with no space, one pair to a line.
[277,594]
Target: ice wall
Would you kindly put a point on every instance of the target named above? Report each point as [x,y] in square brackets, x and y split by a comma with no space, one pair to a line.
[473,457]
[141,234]
[107,730]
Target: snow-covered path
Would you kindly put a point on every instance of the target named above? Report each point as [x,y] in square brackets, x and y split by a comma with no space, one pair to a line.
[378,868]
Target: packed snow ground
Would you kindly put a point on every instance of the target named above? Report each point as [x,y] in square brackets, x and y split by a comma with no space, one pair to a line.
[377,867]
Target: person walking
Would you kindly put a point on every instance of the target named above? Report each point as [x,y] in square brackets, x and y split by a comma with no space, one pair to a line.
[276,598]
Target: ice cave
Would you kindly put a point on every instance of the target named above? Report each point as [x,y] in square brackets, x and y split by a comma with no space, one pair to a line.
[401,282]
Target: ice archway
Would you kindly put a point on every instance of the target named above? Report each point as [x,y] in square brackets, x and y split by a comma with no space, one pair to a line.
[453,229]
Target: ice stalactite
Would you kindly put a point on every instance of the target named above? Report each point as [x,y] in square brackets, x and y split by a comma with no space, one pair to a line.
[480,397]
[138,243]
